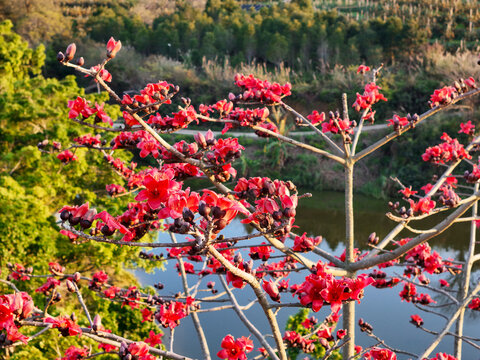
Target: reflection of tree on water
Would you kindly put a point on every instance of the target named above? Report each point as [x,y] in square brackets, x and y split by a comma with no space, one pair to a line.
[323,214]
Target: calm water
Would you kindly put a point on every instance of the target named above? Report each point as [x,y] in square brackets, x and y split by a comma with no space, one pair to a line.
[323,214]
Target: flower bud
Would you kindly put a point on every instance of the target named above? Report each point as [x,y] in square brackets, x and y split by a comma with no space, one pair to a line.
[220,225]
[218,213]
[76,277]
[80,61]
[60,56]
[113,47]
[70,52]
[87,219]
[70,286]
[373,239]
[200,140]
[97,322]
[204,209]
[289,212]
[106,230]
[188,215]
[64,215]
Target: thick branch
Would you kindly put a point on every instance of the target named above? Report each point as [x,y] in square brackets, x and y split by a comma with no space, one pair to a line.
[255,285]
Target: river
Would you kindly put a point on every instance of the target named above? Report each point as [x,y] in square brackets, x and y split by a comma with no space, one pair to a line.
[323,214]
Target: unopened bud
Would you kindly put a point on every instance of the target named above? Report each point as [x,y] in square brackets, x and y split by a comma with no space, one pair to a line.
[80,61]
[60,56]
[76,276]
[70,286]
[373,239]
[70,52]
[97,322]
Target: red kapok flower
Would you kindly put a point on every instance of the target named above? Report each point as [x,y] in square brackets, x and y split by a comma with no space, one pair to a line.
[235,349]
[380,354]
[158,188]
[416,320]
[407,192]
[74,353]
[474,304]
[362,69]
[154,339]
[113,47]
[67,156]
[65,325]
[467,128]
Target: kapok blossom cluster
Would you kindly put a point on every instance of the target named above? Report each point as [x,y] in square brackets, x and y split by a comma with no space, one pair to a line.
[447,94]
[235,349]
[334,124]
[261,90]
[67,156]
[448,151]
[370,96]
[275,201]
[81,107]
[179,120]
[14,308]
[152,93]
[323,288]
[88,140]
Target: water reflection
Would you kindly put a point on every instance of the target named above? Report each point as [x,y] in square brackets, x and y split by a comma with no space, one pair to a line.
[323,214]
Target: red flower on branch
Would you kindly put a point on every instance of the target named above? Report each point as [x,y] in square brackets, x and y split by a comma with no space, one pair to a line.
[380,354]
[79,106]
[154,339]
[103,73]
[139,351]
[423,206]
[443,96]
[113,47]
[316,118]
[51,284]
[407,192]
[467,128]
[66,157]
[170,314]
[158,188]
[88,140]
[260,252]
[416,320]
[449,150]
[272,290]
[235,349]
[75,353]
[65,325]
[443,356]
[362,69]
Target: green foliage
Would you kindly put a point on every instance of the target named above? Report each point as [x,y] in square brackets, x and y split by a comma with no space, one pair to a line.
[35,185]
[17,60]
[294,323]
